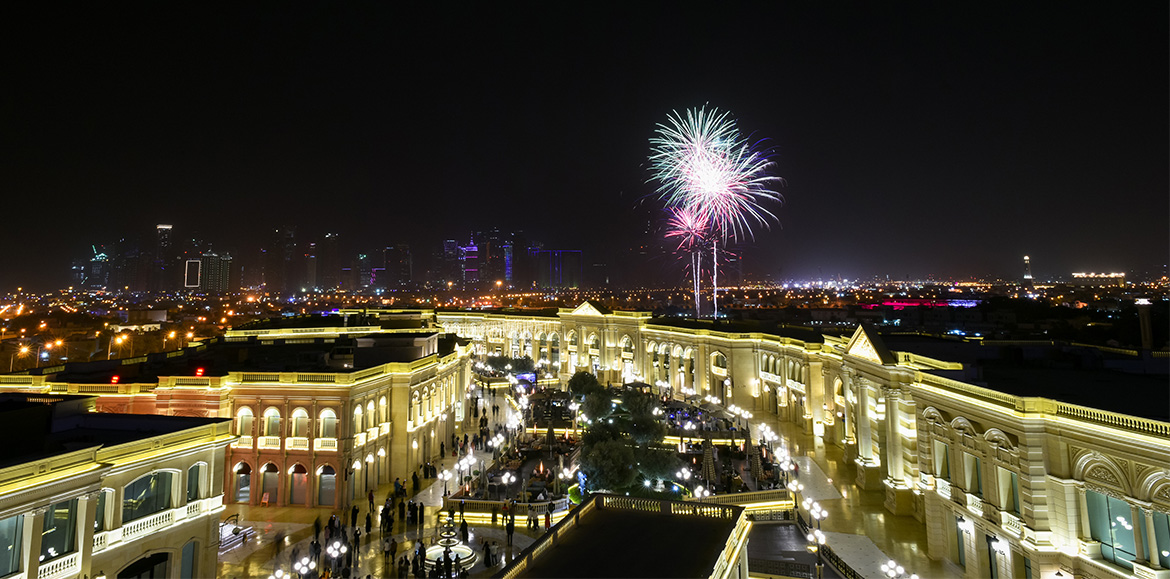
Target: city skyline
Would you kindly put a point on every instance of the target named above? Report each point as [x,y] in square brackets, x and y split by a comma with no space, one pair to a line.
[913,141]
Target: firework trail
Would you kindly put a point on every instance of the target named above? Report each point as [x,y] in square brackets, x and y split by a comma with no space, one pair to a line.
[691,233]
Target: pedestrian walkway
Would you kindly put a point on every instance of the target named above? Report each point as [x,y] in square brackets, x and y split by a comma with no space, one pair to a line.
[859,528]
[282,531]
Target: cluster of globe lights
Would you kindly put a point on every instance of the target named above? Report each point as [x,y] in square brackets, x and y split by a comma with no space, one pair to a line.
[302,567]
[736,410]
[334,550]
[892,569]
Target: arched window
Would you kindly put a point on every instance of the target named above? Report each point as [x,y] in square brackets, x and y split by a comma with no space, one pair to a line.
[195,482]
[299,484]
[271,422]
[627,345]
[328,422]
[554,348]
[270,482]
[147,495]
[383,410]
[326,486]
[300,423]
[358,426]
[573,339]
[719,360]
[100,515]
[59,532]
[594,343]
[243,482]
[244,421]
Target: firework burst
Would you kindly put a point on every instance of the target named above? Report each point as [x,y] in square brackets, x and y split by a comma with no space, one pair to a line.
[714,182]
[705,168]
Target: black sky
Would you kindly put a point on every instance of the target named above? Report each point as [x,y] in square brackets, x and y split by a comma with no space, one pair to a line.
[943,139]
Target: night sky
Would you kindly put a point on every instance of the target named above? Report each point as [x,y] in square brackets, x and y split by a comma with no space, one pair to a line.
[944,139]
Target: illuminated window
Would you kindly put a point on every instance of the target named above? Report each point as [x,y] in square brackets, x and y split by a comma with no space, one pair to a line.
[300,423]
[1110,523]
[942,461]
[59,533]
[972,471]
[328,422]
[244,422]
[271,422]
[146,496]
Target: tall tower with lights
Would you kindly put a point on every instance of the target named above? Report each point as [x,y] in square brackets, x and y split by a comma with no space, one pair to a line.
[1027,271]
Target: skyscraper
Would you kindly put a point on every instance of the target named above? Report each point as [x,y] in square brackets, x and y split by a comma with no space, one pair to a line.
[329,263]
[399,266]
[216,272]
[160,272]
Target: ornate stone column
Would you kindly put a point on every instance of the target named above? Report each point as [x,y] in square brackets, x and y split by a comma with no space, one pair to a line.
[1135,515]
[1152,536]
[1086,533]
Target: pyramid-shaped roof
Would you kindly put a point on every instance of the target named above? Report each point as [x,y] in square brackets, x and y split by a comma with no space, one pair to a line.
[867,344]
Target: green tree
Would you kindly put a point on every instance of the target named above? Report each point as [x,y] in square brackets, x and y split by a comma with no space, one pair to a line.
[584,383]
[597,406]
[657,463]
[599,432]
[639,403]
[609,465]
[646,429]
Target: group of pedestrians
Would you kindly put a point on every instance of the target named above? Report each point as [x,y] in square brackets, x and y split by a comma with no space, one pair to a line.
[336,546]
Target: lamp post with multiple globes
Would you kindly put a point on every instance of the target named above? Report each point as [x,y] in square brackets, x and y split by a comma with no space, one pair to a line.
[892,570]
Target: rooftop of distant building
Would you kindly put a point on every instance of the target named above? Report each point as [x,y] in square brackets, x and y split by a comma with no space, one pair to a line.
[616,537]
[48,425]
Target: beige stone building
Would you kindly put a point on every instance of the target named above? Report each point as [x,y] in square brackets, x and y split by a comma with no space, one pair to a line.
[92,494]
[1022,459]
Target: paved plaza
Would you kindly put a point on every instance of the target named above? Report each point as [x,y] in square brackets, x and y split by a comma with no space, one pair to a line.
[858,527]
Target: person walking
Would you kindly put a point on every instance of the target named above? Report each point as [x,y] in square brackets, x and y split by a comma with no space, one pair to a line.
[369,521]
[386,549]
[463,532]
[370,498]
[510,528]
[414,479]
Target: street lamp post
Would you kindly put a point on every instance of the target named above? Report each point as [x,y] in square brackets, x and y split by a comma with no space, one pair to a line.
[23,350]
[795,488]
[816,513]
[892,569]
[816,542]
[304,567]
[507,480]
[335,551]
[445,476]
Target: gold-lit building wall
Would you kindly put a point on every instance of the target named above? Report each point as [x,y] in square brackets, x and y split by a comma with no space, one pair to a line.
[92,491]
[1020,477]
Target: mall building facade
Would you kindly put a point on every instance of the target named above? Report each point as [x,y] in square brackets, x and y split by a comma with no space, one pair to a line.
[102,495]
[306,438]
[1008,486]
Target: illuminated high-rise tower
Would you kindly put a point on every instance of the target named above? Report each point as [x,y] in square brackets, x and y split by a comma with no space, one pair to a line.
[1027,271]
